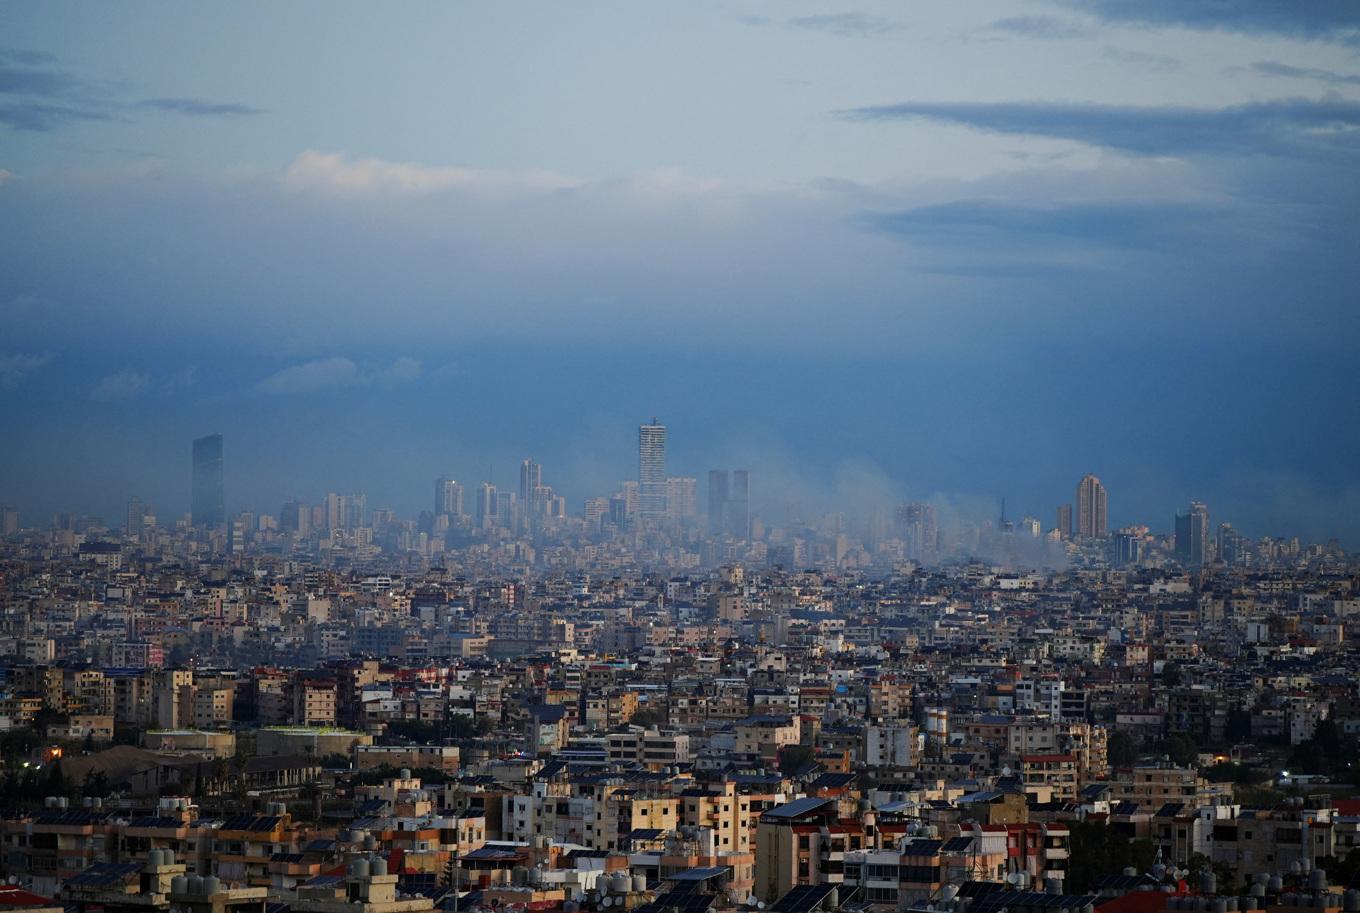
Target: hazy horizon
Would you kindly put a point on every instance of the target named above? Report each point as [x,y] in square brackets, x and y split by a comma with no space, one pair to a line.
[868,252]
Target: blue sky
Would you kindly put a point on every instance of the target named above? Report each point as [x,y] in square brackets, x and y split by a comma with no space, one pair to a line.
[871,251]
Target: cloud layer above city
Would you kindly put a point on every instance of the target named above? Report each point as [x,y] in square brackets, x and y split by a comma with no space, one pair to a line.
[969,252]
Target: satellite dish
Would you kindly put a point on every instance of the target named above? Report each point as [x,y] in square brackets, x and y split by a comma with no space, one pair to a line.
[750,900]
[1006,771]
[761,905]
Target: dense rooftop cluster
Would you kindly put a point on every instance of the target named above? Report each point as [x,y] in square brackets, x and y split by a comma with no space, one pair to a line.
[272,732]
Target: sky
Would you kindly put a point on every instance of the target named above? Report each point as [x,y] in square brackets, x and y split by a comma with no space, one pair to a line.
[870,252]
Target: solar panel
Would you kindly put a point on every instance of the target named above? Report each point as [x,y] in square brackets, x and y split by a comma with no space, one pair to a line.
[105,874]
[803,898]
[957,845]
[699,874]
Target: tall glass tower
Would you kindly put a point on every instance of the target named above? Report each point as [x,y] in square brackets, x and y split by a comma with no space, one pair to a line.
[652,470]
[1091,508]
[207,506]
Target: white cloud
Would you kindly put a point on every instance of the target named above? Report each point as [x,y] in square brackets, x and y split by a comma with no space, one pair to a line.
[122,385]
[330,171]
[6,176]
[339,372]
[14,368]
[311,377]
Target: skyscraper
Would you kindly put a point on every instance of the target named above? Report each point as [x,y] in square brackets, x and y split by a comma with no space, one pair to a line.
[917,525]
[1192,534]
[1091,504]
[739,505]
[530,483]
[486,506]
[1065,521]
[718,493]
[682,501]
[448,498]
[207,508]
[136,516]
[652,470]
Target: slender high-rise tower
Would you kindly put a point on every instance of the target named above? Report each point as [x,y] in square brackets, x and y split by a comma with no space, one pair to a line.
[718,493]
[739,506]
[1192,534]
[207,504]
[1091,521]
[652,470]
[448,498]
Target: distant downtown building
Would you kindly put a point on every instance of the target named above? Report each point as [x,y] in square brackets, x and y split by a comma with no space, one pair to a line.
[729,503]
[1065,521]
[1091,508]
[207,508]
[1192,534]
[652,470]
[448,498]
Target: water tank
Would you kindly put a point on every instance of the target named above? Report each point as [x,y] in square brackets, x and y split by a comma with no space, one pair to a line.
[1350,901]
[949,892]
[1130,870]
[620,882]
[98,802]
[519,875]
[179,885]
[639,883]
[1232,904]
[50,802]
[1289,900]
[370,843]
[153,858]
[1317,881]
[379,866]
[169,856]
[1274,884]
[1219,905]
[1052,886]
[570,906]
[1257,890]
[406,773]
[62,802]
[1173,903]
[1208,883]
[360,868]
[212,886]
[195,885]
[833,900]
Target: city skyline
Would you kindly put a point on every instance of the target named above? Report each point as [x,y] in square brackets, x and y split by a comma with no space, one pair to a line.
[968,249]
[729,511]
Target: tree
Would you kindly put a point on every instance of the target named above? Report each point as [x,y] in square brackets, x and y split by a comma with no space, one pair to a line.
[1098,850]
[1122,749]
[793,758]
[1181,750]
[55,783]
[96,784]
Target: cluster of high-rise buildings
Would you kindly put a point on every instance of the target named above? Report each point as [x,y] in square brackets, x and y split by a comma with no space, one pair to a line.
[654,520]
